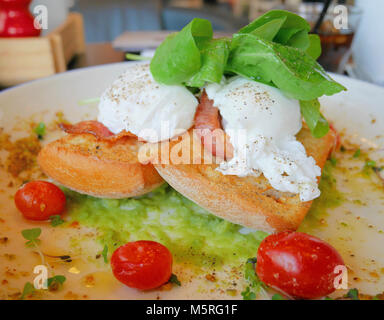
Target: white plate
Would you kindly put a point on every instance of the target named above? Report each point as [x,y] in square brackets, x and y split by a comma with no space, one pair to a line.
[359,112]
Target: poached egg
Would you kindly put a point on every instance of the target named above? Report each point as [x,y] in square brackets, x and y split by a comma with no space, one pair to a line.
[154,112]
[262,123]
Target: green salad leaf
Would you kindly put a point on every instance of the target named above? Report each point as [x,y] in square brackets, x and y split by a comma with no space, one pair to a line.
[214,55]
[288,68]
[178,58]
[314,49]
[293,30]
[310,111]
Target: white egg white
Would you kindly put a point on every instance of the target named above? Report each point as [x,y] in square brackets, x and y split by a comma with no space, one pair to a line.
[262,123]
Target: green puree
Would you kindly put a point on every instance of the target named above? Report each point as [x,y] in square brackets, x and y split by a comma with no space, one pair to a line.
[192,234]
[330,198]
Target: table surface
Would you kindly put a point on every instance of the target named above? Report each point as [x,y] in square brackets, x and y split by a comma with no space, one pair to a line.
[98,53]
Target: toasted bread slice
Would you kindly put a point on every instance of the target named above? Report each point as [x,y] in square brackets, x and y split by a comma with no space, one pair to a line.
[248,201]
[101,168]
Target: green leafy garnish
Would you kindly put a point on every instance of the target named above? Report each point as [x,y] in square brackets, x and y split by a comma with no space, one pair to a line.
[277,296]
[104,253]
[27,291]
[288,68]
[174,280]
[352,294]
[370,164]
[178,58]
[333,161]
[32,236]
[327,298]
[275,49]
[248,294]
[40,130]
[357,153]
[255,285]
[316,122]
[286,28]
[55,282]
[214,54]
[56,220]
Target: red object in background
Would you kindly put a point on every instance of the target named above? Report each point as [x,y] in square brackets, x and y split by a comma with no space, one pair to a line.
[16,20]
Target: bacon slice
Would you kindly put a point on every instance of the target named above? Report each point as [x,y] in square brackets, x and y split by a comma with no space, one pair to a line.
[95,128]
[213,137]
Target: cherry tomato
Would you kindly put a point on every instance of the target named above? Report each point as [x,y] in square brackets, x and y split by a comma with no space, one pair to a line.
[142,264]
[39,200]
[297,264]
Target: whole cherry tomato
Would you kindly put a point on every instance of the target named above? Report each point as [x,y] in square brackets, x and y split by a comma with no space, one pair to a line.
[39,200]
[297,264]
[142,264]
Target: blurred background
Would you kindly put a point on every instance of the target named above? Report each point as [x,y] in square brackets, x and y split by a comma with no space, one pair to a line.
[90,32]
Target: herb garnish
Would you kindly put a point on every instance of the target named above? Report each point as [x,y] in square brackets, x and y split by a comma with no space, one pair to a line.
[357,153]
[173,279]
[32,236]
[56,220]
[40,130]
[255,285]
[352,294]
[28,290]
[104,253]
[277,296]
[54,283]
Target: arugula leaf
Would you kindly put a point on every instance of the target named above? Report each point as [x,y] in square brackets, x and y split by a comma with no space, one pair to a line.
[40,130]
[178,58]
[214,56]
[56,220]
[28,290]
[290,69]
[104,253]
[174,280]
[316,122]
[31,234]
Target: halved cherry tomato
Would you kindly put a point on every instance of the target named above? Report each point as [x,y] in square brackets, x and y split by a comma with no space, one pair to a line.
[297,264]
[142,264]
[39,200]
